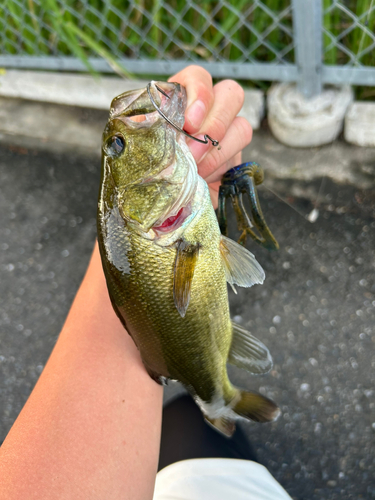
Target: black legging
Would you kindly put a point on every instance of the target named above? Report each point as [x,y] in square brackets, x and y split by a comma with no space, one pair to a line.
[186,435]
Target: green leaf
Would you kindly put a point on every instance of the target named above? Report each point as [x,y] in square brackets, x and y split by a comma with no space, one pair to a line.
[100,50]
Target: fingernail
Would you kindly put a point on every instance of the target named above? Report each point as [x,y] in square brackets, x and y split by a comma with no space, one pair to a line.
[196,113]
[198,150]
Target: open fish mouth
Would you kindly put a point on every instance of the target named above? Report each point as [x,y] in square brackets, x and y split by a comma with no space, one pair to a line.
[173,222]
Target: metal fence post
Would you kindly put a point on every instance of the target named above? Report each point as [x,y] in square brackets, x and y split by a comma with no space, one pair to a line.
[307,26]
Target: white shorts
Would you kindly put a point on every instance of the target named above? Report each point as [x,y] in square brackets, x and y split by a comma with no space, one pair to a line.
[217,479]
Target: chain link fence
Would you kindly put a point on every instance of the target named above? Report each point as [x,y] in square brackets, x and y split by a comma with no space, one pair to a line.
[307,41]
[348,32]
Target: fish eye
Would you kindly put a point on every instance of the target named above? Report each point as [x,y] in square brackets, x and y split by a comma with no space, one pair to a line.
[115,145]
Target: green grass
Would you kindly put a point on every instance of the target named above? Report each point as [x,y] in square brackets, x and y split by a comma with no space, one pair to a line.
[353,38]
[109,28]
[114,28]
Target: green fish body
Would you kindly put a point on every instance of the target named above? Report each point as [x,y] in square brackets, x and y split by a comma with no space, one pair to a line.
[167,265]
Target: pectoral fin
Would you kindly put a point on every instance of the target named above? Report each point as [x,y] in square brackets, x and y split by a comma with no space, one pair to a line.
[241,267]
[248,352]
[184,267]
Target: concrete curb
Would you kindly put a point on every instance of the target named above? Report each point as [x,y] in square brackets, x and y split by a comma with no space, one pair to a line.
[88,92]
[72,89]
[65,88]
[300,122]
[253,108]
[360,124]
[67,129]
[51,126]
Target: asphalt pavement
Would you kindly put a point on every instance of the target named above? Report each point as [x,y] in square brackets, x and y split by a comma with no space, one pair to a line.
[315,311]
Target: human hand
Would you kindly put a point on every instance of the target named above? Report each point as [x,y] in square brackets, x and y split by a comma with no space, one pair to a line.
[213,110]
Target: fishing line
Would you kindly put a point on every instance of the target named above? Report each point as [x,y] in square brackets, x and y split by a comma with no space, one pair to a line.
[314,214]
[284,200]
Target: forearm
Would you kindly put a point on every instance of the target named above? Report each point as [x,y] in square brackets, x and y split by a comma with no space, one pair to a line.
[91,427]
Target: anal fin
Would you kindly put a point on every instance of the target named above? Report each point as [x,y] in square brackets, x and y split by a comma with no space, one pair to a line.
[248,352]
[224,425]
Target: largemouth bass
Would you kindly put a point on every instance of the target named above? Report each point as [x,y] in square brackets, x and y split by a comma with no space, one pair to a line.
[166,263]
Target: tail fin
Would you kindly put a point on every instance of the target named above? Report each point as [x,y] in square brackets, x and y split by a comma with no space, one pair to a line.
[250,405]
[256,407]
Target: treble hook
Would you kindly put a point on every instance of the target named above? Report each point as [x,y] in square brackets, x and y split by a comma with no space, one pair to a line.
[206,136]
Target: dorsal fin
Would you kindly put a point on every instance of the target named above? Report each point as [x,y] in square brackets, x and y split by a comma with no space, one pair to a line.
[248,352]
[184,267]
[241,267]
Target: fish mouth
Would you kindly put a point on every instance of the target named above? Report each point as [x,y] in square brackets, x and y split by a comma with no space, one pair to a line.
[173,222]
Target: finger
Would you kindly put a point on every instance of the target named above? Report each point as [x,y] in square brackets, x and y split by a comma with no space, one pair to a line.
[213,165]
[229,98]
[200,96]
[218,174]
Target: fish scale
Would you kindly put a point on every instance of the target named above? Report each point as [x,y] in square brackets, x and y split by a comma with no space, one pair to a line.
[144,298]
